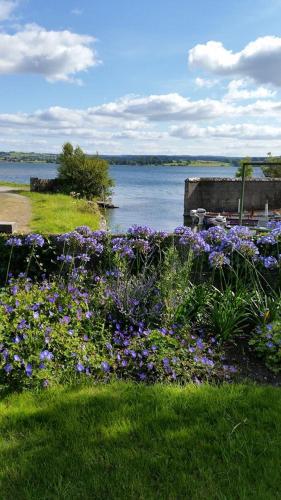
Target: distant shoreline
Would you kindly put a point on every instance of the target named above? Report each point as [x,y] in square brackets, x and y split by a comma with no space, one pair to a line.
[195,163]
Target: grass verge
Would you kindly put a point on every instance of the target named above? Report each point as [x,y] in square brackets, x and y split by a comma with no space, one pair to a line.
[126,441]
[57,213]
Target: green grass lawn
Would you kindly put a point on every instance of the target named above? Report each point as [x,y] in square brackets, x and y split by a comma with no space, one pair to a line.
[57,213]
[126,441]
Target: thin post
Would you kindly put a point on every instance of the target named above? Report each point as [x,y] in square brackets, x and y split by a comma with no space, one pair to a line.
[242,194]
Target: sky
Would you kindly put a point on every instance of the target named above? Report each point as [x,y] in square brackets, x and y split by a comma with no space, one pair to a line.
[141,76]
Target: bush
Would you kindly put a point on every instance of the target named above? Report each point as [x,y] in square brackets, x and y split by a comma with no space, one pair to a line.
[82,174]
[53,332]
[143,306]
[267,343]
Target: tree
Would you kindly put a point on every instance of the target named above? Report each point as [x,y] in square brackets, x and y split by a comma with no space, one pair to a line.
[83,174]
[248,168]
[272,170]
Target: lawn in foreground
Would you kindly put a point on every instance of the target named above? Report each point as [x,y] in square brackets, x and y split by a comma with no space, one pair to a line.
[57,213]
[126,441]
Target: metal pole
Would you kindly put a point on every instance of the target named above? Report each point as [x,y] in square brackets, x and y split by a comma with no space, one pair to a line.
[242,194]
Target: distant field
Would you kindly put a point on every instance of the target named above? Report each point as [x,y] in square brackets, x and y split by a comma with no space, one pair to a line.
[197,163]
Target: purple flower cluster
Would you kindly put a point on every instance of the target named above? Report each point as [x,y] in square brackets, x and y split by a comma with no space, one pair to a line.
[195,241]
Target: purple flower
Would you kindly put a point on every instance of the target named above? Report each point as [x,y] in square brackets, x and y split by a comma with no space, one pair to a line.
[28,370]
[14,242]
[270,345]
[65,258]
[46,355]
[200,344]
[79,367]
[8,368]
[65,320]
[267,239]
[105,366]
[217,260]
[247,248]
[269,262]
[141,231]
[35,240]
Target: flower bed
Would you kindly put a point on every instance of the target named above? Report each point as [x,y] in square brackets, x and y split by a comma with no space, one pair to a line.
[145,306]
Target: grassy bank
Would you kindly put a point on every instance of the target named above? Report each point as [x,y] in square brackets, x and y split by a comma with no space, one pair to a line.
[56,213]
[142,442]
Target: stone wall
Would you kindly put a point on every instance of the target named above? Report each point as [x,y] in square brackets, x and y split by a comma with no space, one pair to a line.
[44,185]
[222,194]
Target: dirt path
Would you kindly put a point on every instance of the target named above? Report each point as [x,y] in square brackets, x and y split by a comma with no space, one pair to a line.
[15,208]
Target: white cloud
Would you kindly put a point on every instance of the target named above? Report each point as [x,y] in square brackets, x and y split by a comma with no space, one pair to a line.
[167,124]
[259,60]
[204,83]
[243,131]
[7,7]
[56,55]
[237,90]
[164,108]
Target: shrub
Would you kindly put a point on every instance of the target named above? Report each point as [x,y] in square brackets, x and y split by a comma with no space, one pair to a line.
[53,332]
[266,341]
[82,174]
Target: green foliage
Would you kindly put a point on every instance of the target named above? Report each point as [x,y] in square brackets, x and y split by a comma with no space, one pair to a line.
[52,333]
[266,341]
[82,174]
[228,313]
[248,169]
[273,170]
[195,305]
[47,319]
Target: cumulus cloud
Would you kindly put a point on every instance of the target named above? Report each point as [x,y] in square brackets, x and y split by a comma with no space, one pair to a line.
[151,124]
[205,83]
[7,7]
[237,90]
[259,60]
[243,131]
[56,55]
[164,108]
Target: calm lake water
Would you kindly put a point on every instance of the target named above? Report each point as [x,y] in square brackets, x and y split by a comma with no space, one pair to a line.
[146,195]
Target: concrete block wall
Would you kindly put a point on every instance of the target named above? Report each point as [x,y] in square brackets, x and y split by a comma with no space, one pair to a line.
[217,194]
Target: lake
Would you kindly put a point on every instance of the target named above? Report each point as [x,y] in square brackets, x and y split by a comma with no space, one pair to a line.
[146,195]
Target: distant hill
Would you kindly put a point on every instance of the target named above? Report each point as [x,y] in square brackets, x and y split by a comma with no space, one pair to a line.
[16,156]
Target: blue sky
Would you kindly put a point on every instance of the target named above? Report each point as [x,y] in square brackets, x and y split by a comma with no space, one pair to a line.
[167,77]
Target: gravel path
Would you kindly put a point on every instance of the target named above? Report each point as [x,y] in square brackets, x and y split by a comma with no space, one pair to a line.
[15,208]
